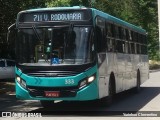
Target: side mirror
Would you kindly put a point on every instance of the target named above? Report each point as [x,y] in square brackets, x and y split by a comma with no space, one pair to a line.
[11,29]
[11,38]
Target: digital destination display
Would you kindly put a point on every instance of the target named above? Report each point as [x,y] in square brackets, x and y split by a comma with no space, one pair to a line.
[54,16]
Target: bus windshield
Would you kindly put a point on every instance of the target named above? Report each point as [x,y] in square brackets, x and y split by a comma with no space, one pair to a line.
[54,46]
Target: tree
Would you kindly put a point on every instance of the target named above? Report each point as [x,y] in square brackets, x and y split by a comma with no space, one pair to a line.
[146,15]
[8,13]
[57,3]
[62,3]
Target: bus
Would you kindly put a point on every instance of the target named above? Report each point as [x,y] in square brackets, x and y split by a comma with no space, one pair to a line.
[76,54]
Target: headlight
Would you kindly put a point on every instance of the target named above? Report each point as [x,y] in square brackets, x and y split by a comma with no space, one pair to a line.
[90,79]
[21,81]
[83,83]
[87,81]
[18,79]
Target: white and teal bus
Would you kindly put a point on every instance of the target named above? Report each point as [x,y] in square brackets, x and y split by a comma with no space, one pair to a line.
[77,54]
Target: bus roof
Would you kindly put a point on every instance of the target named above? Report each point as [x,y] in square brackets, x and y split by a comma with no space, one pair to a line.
[118,21]
[97,12]
[56,8]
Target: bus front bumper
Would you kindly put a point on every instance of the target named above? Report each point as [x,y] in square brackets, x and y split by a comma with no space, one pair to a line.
[89,92]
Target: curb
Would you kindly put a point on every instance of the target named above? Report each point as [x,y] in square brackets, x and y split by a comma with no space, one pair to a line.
[156,70]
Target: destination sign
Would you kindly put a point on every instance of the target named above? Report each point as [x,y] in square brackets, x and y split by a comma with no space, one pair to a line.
[54,16]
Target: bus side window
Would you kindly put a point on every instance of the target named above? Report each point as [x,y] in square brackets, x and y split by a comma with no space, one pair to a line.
[130,36]
[101,45]
[109,31]
[136,34]
[100,32]
[113,30]
[120,32]
[132,48]
[141,39]
[116,32]
[120,46]
[123,34]
[138,48]
[127,34]
[109,37]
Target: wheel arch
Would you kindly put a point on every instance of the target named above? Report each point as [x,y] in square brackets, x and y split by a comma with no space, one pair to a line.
[113,81]
[138,75]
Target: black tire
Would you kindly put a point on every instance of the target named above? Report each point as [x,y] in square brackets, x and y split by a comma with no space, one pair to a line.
[47,103]
[107,101]
[137,89]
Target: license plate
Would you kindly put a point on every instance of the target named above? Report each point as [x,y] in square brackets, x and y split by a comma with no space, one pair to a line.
[52,93]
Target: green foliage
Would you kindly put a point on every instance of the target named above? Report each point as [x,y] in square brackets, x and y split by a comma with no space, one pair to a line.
[8,13]
[57,3]
[146,16]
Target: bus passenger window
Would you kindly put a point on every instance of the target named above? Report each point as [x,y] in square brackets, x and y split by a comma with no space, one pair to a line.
[113,30]
[116,32]
[109,32]
[138,48]
[126,47]
[123,34]
[130,36]
[109,43]
[127,34]
[109,37]
[101,43]
[120,46]
[133,37]
[141,39]
[132,48]
[120,32]
[136,37]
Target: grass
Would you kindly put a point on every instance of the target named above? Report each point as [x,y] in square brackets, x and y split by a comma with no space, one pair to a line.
[154,64]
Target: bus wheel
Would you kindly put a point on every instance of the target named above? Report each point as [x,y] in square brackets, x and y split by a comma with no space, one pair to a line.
[137,89]
[107,101]
[47,103]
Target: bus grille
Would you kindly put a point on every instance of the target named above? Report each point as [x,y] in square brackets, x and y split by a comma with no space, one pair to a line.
[53,73]
[64,91]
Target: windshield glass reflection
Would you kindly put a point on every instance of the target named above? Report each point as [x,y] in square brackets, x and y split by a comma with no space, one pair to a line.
[54,46]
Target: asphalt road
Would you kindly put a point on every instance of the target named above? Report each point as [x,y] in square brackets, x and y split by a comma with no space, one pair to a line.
[126,103]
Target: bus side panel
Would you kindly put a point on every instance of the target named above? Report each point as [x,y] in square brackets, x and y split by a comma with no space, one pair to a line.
[103,69]
[144,68]
[130,72]
[108,64]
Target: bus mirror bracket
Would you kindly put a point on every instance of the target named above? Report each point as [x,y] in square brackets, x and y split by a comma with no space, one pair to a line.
[11,28]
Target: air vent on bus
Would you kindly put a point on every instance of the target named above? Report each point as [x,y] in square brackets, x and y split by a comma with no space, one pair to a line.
[53,73]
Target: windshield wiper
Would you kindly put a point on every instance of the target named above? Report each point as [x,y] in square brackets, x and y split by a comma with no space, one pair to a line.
[35,31]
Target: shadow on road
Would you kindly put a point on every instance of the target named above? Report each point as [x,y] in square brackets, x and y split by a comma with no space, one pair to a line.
[7,86]
[124,102]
